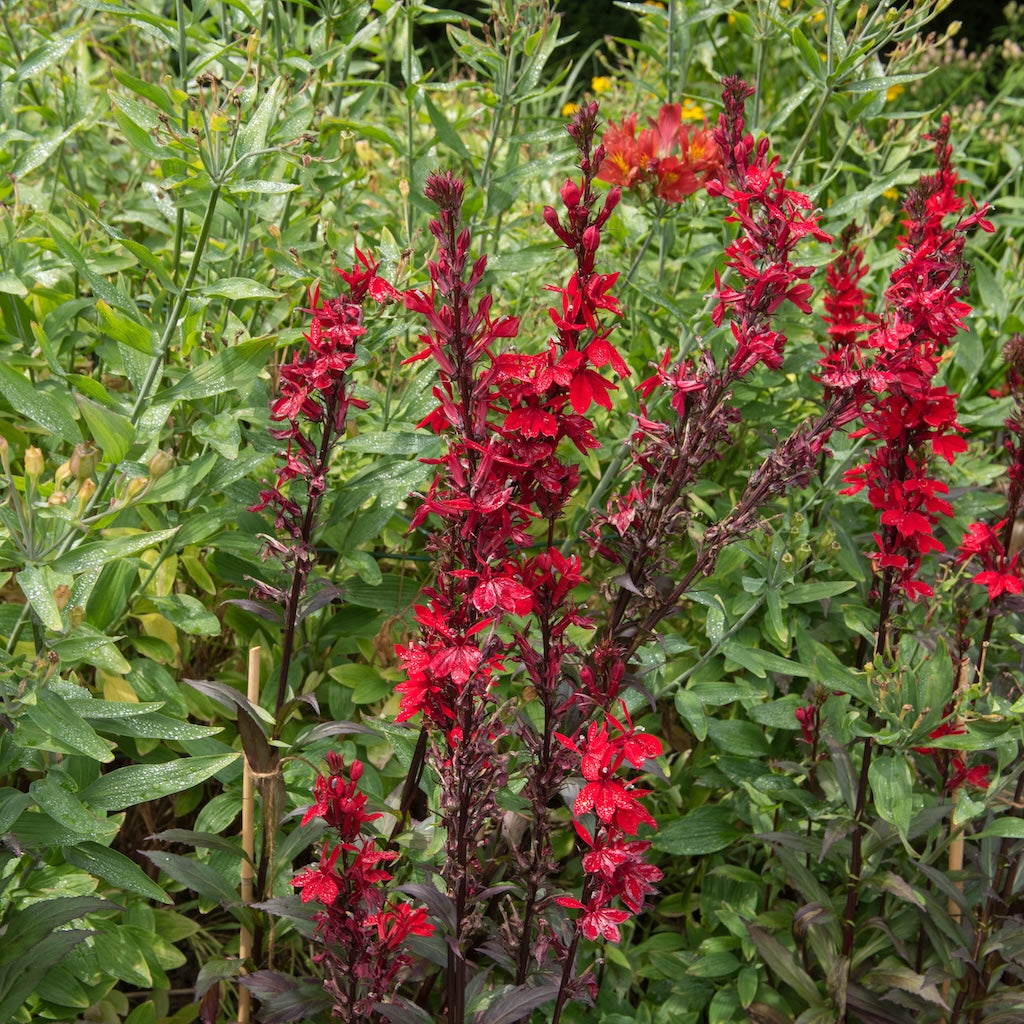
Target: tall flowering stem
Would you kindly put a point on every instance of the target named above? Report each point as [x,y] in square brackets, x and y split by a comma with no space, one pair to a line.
[315,399]
[363,933]
[314,402]
[671,451]
[909,417]
[502,601]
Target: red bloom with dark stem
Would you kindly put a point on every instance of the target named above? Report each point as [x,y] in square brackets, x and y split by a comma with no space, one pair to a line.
[909,416]
[362,933]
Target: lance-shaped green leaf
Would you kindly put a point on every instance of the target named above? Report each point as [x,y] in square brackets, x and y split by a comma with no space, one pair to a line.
[96,554]
[892,784]
[139,783]
[38,584]
[114,868]
[231,369]
[53,717]
[112,432]
[66,809]
[50,409]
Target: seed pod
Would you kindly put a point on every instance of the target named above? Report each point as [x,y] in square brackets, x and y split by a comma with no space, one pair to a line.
[83,460]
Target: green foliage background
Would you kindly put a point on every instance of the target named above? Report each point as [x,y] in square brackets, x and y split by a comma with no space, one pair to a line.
[174,179]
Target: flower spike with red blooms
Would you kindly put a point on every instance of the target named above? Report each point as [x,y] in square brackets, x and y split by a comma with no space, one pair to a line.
[909,417]
[670,451]
[615,866]
[362,931]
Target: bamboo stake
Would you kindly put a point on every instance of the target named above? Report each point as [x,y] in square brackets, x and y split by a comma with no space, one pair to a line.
[248,838]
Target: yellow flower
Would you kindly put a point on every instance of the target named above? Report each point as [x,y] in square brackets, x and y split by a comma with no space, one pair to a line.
[892,195]
[600,84]
[569,109]
[784,4]
[692,111]
[893,91]
[731,18]
[817,17]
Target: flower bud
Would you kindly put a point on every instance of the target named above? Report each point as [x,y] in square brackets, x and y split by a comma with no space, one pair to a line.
[591,238]
[57,498]
[83,461]
[63,473]
[5,454]
[34,464]
[136,486]
[571,194]
[76,616]
[61,596]
[86,489]
[160,464]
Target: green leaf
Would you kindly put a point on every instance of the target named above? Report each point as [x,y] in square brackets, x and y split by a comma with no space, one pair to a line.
[124,329]
[115,868]
[12,803]
[96,554]
[260,186]
[52,715]
[734,736]
[395,442]
[38,585]
[238,288]
[48,53]
[691,708]
[188,613]
[803,593]
[121,957]
[446,132]
[714,965]
[138,783]
[761,662]
[88,644]
[201,878]
[100,286]
[49,409]
[66,809]
[705,830]
[30,926]
[231,369]
[783,963]
[1007,827]
[112,432]
[38,153]
[811,59]
[892,784]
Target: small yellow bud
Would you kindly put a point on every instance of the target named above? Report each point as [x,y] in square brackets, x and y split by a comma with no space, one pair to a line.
[86,489]
[953,29]
[76,616]
[34,464]
[136,486]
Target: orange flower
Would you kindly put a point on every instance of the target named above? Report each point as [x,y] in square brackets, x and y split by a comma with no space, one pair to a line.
[670,160]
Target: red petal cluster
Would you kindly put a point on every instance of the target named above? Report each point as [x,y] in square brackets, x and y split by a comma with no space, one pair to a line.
[668,160]
[362,931]
[909,417]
